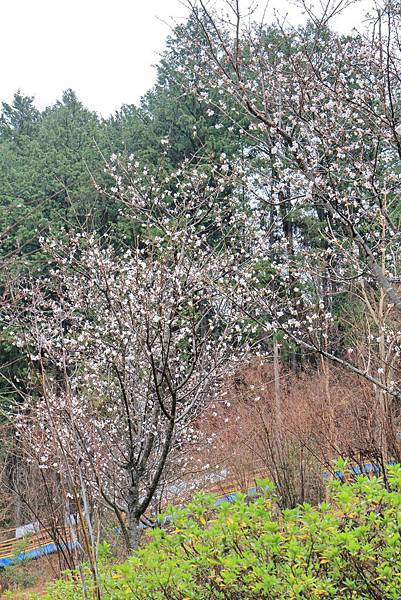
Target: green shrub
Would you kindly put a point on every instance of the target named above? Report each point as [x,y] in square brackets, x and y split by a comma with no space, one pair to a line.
[348,547]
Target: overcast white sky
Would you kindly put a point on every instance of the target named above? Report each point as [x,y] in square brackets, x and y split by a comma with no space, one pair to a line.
[102,49]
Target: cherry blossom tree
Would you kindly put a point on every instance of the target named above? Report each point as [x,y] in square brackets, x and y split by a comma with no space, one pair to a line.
[128,343]
[322,151]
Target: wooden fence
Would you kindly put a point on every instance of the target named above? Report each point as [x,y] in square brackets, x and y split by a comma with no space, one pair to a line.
[32,545]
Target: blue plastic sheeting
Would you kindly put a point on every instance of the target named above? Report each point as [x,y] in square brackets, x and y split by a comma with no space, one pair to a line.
[366,469]
[36,553]
[228,498]
[253,491]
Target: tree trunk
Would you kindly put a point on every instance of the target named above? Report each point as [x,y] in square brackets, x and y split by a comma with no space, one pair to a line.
[133,515]
[134,531]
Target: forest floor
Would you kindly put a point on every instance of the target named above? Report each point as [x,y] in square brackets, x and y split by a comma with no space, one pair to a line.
[29,580]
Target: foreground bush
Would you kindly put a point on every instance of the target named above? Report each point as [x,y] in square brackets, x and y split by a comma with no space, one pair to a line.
[348,547]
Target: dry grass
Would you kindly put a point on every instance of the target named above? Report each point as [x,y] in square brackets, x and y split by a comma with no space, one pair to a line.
[293,431]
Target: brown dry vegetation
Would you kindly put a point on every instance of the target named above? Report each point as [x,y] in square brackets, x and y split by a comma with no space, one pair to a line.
[294,428]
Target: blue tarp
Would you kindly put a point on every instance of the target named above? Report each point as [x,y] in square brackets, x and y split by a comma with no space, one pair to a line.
[36,553]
